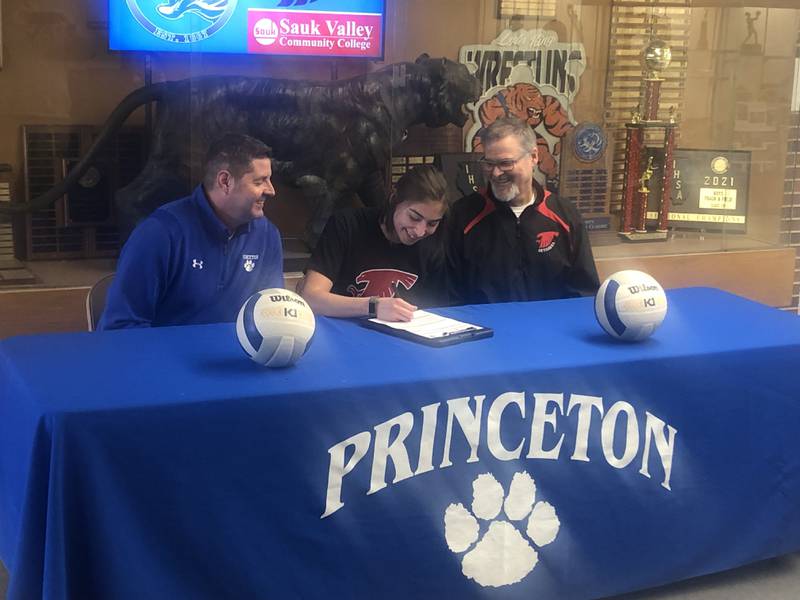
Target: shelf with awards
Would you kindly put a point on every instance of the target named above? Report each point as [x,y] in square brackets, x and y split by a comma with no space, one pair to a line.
[6,232]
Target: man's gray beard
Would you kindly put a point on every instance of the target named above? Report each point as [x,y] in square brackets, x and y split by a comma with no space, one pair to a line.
[512,193]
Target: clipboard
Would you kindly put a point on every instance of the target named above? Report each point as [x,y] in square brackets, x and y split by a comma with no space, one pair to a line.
[431,329]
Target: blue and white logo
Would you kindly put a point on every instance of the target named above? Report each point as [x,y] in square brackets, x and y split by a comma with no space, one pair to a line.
[182,21]
[590,141]
[506,552]
[249,262]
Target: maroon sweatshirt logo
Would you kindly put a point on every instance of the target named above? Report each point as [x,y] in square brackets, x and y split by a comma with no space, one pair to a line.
[381,282]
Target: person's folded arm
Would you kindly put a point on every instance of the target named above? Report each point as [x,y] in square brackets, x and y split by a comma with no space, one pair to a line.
[140,279]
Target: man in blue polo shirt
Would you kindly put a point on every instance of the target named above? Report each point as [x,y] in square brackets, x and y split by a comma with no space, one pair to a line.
[197,259]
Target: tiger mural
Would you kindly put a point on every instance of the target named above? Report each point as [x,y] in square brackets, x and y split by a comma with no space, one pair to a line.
[526,102]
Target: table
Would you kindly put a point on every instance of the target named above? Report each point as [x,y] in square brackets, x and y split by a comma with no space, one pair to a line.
[164,464]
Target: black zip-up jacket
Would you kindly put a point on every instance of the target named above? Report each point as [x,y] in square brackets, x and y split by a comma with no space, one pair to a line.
[492,257]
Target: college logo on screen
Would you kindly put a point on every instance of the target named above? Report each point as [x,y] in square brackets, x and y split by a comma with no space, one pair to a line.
[312,32]
[265,32]
[182,21]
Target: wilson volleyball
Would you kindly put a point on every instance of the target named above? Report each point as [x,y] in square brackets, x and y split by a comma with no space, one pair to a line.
[630,305]
[275,327]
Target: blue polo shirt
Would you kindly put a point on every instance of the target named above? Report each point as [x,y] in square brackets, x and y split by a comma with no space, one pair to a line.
[182,267]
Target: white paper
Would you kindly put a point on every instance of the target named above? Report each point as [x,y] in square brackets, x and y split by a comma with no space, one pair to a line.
[430,326]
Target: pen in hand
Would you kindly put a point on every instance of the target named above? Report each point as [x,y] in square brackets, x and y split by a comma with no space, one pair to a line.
[395,309]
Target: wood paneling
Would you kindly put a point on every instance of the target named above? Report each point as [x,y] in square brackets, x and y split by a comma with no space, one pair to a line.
[42,311]
[53,310]
[762,275]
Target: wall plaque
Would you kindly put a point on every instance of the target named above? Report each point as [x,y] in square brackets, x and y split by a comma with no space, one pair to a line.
[709,190]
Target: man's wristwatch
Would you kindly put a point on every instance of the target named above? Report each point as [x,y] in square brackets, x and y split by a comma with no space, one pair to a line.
[373,306]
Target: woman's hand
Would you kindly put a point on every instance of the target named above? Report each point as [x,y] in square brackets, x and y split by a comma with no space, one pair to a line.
[394,309]
[316,289]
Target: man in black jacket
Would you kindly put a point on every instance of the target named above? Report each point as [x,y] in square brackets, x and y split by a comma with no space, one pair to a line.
[514,241]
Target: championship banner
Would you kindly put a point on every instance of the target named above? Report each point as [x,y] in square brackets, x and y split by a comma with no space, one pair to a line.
[709,190]
[532,76]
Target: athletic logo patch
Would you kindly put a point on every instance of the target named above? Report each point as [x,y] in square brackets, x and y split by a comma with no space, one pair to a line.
[249,261]
[383,283]
[546,240]
[197,263]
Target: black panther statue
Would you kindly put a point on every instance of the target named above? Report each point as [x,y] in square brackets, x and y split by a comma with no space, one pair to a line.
[330,138]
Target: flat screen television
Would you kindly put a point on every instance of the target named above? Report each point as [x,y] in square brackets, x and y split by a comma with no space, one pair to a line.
[329,28]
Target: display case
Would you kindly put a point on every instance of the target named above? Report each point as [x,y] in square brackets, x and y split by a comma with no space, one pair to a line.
[573,69]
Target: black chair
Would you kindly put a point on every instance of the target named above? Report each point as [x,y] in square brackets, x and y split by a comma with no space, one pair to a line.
[96,300]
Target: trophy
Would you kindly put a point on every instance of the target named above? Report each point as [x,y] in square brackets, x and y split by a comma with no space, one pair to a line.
[639,167]
[750,44]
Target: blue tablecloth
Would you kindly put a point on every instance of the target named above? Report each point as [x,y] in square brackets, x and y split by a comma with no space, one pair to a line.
[164,464]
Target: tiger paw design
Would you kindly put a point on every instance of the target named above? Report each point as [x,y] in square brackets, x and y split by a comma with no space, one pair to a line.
[506,552]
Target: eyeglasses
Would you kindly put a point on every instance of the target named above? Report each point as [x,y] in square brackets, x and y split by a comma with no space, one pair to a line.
[504,165]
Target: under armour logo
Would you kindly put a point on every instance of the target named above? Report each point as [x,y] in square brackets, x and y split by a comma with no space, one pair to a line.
[197,264]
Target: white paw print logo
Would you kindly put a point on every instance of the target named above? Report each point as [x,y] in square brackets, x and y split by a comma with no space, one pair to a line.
[504,554]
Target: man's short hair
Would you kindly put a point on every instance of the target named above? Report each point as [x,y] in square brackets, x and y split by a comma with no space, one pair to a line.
[234,152]
[505,126]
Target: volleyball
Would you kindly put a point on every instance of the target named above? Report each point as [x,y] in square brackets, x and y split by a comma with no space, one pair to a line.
[275,327]
[630,305]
